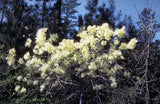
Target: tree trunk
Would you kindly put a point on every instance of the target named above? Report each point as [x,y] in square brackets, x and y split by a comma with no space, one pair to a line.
[13,15]
[57,18]
[147,96]
[43,13]
[3,11]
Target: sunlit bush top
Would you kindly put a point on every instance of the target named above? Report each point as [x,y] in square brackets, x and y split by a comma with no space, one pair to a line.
[96,54]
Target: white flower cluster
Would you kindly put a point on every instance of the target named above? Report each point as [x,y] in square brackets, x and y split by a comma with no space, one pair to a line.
[98,87]
[19,89]
[130,45]
[28,42]
[114,83]
[41,36]
[120,32]
[11,57]
[98,48]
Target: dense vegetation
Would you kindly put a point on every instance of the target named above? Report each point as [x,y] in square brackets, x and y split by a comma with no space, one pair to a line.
[49,56]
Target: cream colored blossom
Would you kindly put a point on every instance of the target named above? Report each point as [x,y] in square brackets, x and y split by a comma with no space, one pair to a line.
[41,50]
[92,66]
[59,71]
[110,57]
[85,52]
[93,42]
[55,84]
[127,74]
[108,34]
[103,31]
[48,79]
[48,47]
[83,35]
[132,43]
[116,41]
[67,44]
[35,82]
[26,27]
[23,90]
[105,26]
[28,42]
[114,83]
[91,29]
[26,56]
[34,62]
[103,43]
[123,46]
[41,36]
[19,78]
[43,75]
[98,87]
[20,61]
[17,88]
[116,53]
[53,38]
[112,79]
[42,87]
[24,79]
[120,32]
[12,52]
[83,75]
[35,51]
[10,60]
[44,67]
[29,82]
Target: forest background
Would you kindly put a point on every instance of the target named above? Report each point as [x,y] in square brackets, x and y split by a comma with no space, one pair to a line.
[139,81]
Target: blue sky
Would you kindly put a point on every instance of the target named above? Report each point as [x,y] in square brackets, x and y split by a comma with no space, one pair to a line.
[129,7]
[134,7]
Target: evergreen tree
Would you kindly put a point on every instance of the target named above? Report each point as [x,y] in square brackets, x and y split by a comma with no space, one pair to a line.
[69,18]
[57,22]
[3,8]
[101,14]
[147,18]
[107,14]
[91,17]
[80,21]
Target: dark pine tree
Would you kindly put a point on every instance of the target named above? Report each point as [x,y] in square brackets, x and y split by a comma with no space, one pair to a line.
[69,18]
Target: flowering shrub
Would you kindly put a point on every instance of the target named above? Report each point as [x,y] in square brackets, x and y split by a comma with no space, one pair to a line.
[95,55]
